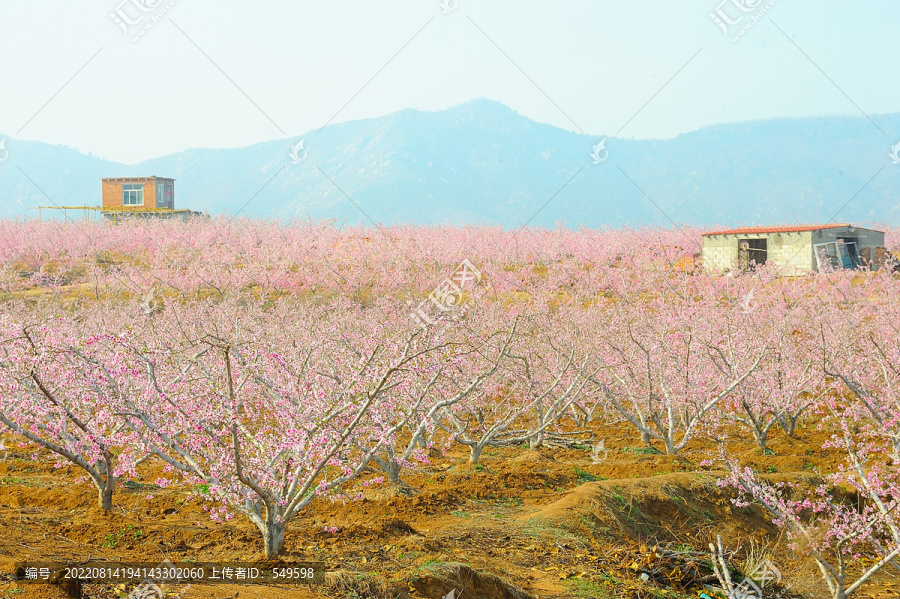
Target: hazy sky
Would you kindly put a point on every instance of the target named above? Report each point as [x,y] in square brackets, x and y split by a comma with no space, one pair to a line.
[227,74]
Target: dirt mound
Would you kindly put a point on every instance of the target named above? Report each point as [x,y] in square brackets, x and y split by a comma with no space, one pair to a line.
[656,506]
[368,529]
[533,456]
[389,491]
[467,582]
[395,527]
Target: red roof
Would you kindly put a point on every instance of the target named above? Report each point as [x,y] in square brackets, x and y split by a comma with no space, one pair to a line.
[787,229]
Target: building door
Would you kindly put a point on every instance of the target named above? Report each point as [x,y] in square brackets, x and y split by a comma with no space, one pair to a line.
[850,252]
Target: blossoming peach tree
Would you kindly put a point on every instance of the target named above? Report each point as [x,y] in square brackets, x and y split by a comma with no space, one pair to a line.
[834,530]
[269,410]
[56,391]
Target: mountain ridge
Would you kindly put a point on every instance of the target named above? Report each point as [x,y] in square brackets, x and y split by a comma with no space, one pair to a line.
[481,162]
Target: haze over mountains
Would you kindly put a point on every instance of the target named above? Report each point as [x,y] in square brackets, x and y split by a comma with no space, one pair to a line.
[483,163]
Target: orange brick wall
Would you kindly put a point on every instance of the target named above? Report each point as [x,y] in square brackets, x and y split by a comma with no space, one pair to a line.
[112,193]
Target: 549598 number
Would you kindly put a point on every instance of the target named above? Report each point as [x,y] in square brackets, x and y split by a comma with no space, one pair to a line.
[293,573]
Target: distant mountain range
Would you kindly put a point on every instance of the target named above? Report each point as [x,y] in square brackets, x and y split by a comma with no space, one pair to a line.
[481,162]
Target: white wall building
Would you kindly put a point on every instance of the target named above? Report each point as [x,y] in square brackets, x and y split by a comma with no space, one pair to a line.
[794,249]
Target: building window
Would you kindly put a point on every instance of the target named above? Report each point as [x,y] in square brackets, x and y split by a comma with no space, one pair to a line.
[132,195]
[752,253]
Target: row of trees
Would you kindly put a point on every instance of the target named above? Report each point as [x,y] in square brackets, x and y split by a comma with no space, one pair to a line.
[852,512]
[270,404]
[212,258]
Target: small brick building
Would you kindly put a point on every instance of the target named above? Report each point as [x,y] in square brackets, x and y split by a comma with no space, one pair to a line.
[134,197]
[794,249]
[139,193]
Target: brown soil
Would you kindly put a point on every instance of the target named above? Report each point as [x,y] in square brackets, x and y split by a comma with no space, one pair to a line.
[546,523]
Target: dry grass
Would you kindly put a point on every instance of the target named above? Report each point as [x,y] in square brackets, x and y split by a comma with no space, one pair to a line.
[352,585]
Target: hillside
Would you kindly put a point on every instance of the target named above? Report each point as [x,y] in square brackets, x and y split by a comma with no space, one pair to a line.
[481,162]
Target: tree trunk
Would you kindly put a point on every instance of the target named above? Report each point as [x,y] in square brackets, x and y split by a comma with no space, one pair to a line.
[105,488]
[475,453]
[760,437]
[104,497]
[273,539]
[582,416]
[393,472]
[788,423]
[645,437]
[670,447]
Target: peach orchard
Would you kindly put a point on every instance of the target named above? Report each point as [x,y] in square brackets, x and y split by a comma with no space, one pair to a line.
[276,365]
